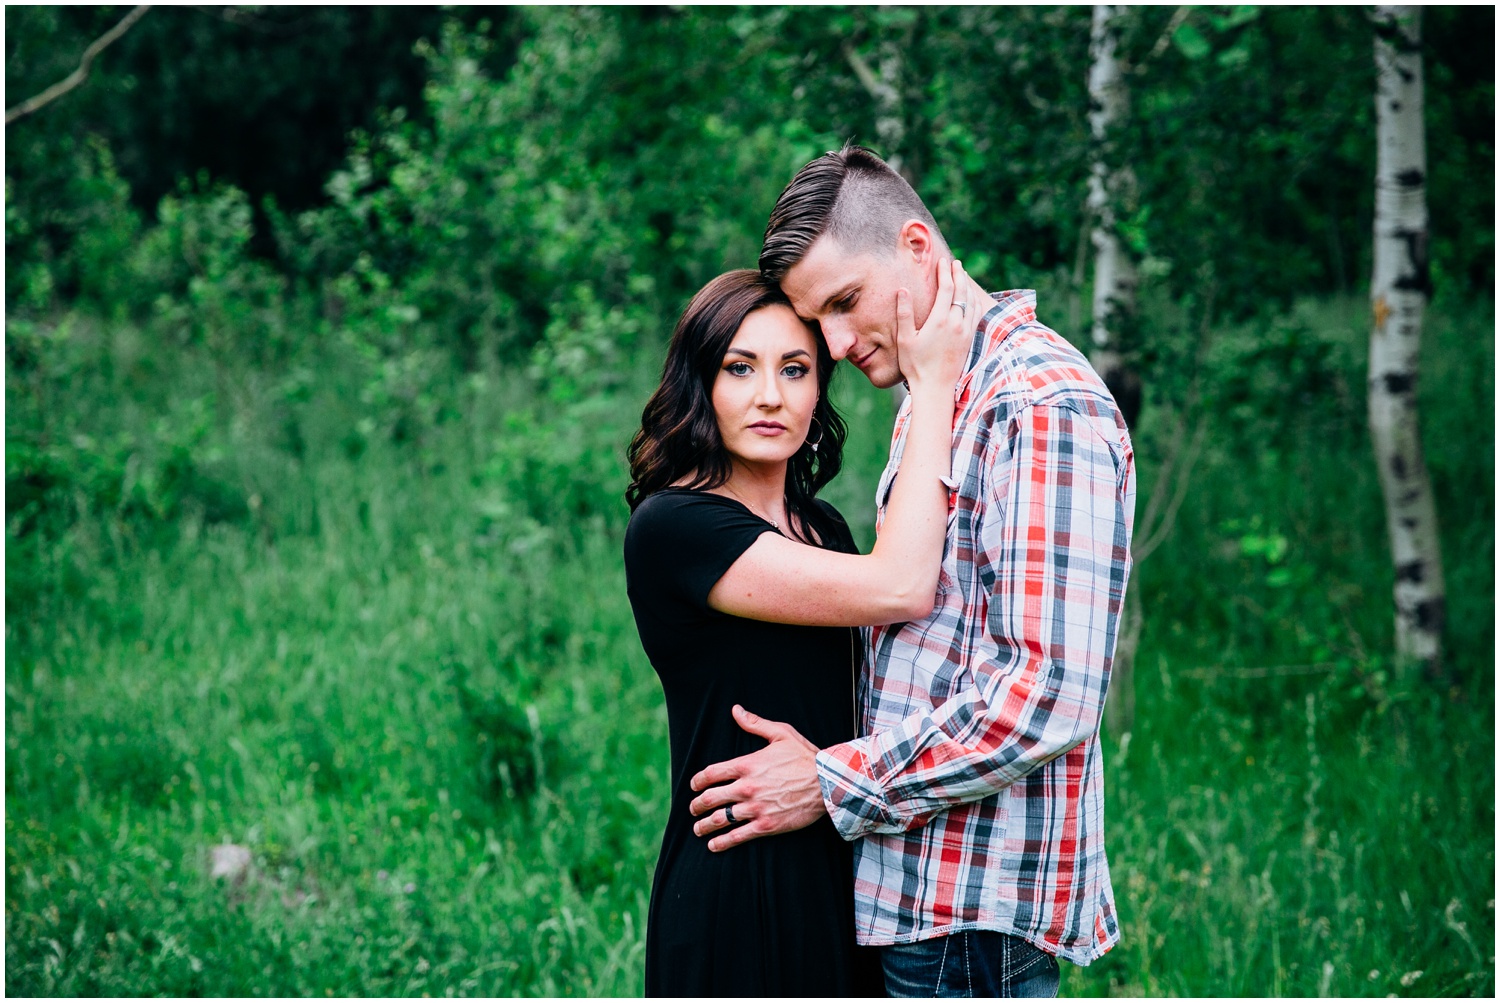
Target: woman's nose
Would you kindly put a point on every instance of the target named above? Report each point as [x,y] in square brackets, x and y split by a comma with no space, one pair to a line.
[768,394]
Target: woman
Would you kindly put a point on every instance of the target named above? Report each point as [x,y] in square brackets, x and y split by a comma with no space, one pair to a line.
[744,588]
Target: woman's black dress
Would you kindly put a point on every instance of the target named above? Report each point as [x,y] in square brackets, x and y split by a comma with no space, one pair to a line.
[774,916]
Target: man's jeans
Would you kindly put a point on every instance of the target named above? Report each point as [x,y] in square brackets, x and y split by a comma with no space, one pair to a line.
[972,963]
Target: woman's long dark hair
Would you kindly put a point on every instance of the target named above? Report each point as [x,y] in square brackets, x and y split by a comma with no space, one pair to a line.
[679,433]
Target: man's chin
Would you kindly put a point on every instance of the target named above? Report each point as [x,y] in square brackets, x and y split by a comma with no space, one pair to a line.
[884,377]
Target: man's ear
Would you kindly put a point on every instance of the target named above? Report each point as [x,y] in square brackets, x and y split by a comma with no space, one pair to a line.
[915,240]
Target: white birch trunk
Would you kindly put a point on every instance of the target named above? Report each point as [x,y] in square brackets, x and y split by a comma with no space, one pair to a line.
[1114,274]
[1398,293]
[1114,303]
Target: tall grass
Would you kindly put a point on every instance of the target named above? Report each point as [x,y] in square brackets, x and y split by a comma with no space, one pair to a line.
[404,675]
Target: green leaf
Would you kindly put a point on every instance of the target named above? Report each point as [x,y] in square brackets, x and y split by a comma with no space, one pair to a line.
[1190,42]
[1234,58]
[1233,17]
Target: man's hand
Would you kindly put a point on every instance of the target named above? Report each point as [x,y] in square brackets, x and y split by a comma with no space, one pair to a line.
[771,791]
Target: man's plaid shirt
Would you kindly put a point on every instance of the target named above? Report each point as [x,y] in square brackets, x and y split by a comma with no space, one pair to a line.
[976,796]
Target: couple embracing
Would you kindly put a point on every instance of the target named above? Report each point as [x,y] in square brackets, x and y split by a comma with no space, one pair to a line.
[915,808]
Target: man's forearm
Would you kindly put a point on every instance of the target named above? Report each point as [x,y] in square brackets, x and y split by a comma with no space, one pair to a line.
[899,778]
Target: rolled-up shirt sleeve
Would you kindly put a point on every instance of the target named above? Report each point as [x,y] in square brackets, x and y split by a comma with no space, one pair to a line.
[1052,560]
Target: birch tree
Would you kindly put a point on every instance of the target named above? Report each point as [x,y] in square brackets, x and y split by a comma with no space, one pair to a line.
[1399,292]
[1114,304]
[1109,179]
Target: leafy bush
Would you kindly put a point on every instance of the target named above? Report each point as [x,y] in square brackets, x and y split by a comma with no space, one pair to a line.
[68,227]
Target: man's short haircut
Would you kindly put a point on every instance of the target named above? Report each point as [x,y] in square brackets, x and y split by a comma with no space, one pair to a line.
[851,195]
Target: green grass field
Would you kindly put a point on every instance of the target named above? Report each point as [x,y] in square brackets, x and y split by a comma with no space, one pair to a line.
[405,676]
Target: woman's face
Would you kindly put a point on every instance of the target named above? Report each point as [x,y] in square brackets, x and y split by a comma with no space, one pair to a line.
[767,387]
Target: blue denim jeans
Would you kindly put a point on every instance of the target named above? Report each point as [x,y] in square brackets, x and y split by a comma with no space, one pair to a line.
[971,963]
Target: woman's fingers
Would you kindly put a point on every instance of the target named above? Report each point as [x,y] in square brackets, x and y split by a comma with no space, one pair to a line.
[969,322]
[906,325]
[945,289]
[935,354]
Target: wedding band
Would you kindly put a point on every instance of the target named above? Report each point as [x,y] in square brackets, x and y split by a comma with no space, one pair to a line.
[963,308]
[729,814]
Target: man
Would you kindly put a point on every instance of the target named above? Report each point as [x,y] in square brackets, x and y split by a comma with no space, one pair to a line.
[976,792]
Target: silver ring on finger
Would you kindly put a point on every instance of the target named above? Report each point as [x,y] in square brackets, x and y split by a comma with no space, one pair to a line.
[963,308]
[729,814]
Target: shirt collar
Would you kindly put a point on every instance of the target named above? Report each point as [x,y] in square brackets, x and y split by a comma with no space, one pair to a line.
[1008,311]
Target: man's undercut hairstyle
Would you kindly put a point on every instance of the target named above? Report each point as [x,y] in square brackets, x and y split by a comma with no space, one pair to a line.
[851,195]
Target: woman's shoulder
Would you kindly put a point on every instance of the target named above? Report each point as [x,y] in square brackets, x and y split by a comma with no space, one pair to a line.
[668,503]
[676,513]
[680,542]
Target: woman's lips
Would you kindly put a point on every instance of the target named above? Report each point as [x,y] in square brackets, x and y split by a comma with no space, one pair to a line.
[767,428]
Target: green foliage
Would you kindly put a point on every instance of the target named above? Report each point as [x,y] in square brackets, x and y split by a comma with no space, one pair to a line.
[207,287]
[64,241]
[262,98]
[409,684]
[532,184]
[314,512]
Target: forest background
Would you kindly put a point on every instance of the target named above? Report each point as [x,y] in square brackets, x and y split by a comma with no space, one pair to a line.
[326,328]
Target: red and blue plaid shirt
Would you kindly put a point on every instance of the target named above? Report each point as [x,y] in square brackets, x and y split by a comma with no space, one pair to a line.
[976,796]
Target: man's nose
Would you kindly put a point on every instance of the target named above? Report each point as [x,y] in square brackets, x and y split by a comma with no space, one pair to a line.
[838,333]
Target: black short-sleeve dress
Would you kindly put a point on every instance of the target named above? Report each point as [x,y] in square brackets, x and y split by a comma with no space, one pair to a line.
[775,916]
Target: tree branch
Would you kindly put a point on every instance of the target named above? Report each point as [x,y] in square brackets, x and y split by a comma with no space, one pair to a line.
[879,91]
[81,74]
[1183,463]
[1163,40]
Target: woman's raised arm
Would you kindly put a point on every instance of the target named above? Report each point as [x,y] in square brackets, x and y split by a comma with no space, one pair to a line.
[783,581]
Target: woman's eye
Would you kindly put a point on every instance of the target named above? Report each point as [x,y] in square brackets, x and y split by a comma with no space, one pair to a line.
[795,372]
[738,369]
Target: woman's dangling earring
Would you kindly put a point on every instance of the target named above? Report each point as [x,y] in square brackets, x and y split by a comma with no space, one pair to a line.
[814,443]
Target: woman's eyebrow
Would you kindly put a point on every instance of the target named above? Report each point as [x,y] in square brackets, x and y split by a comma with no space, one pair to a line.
[796,352]
[741,351]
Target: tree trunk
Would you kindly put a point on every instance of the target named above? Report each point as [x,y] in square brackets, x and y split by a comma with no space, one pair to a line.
[1114,273]
[1398,293]
[1114,306]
